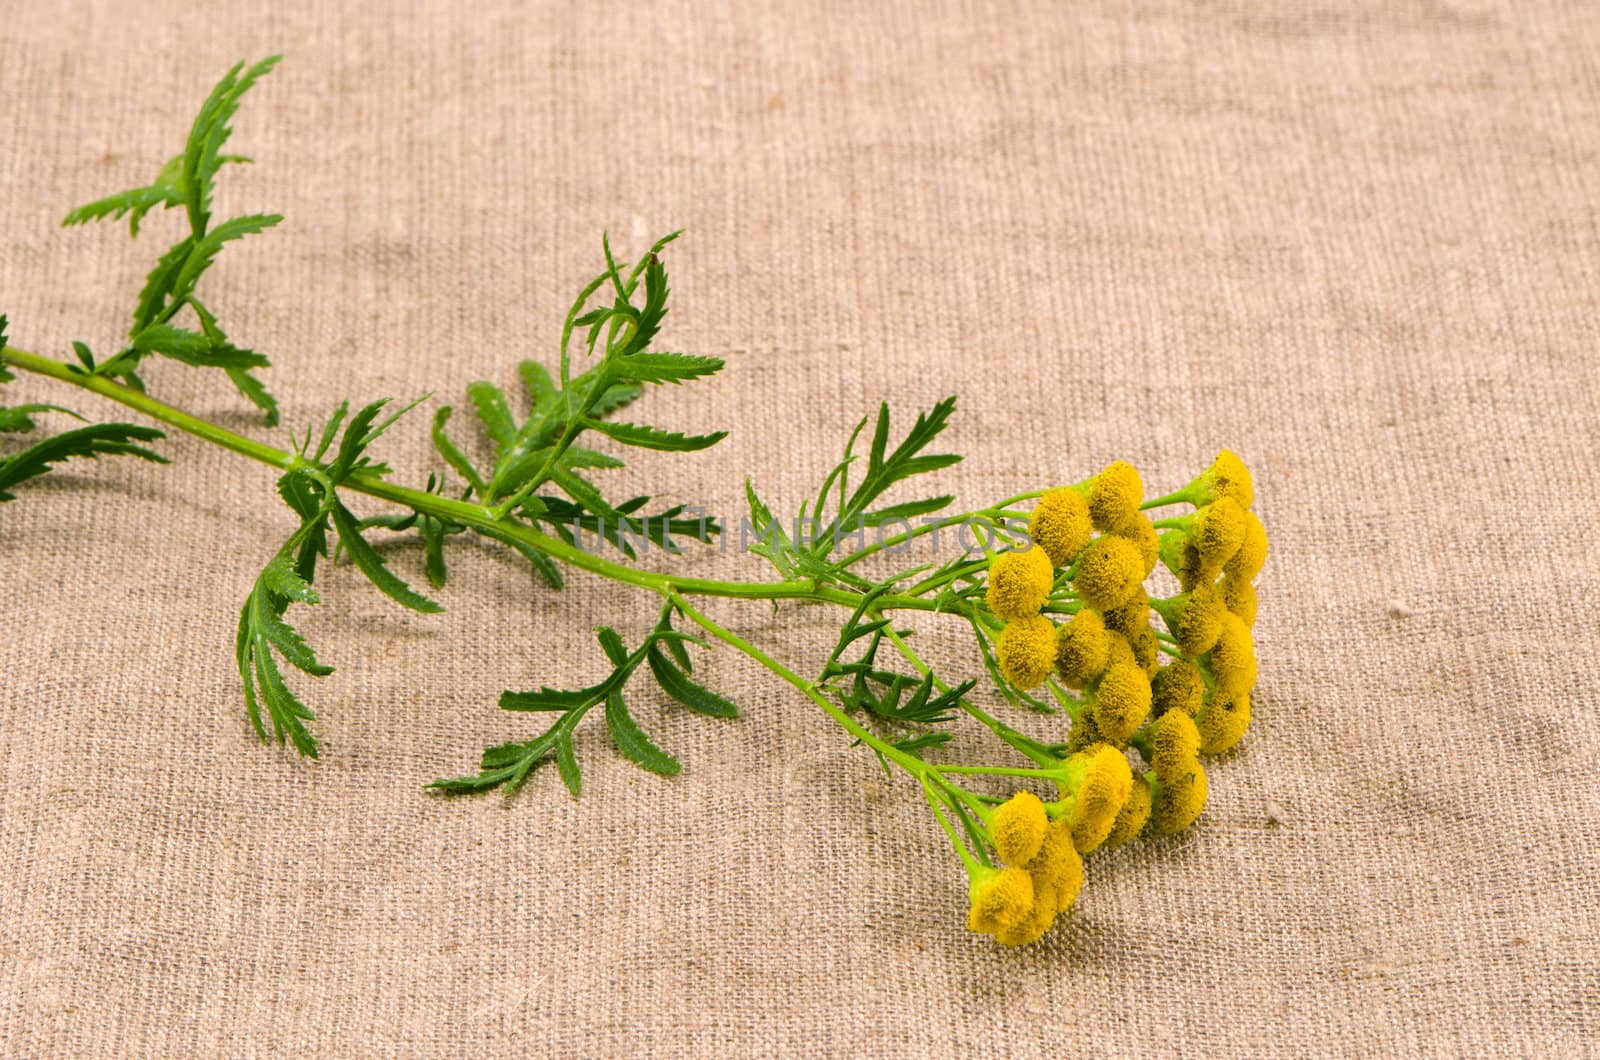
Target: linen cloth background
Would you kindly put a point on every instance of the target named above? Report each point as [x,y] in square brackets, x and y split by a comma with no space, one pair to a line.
[1358,243]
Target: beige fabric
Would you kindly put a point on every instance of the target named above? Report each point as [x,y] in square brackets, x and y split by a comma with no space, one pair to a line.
[1357,243]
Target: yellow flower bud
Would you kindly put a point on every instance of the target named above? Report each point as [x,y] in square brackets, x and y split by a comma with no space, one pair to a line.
[1252,555]
[1019,583]
[1178,801]
[1018,827]
[1081,649]
[1121,701]
[1239,597]
[1233,661]
[1057,869]
[1193,618]
[1026,650]
[1109,572]
[1114,496]
[1177,686]
[1227,477]
[1170,744]
[1133,815]
[1101,781]
[1222,722]
[1218,530]
[1060,525]
[1001,899]
[1142,532]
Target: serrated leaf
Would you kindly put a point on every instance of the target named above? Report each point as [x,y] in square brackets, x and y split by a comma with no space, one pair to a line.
[195,349]
[612,645]
[158,284]
[489,402]
[652,438]
[256,393]
[274,630]
[19,418]
[208,246]
[100,439]
[280,577]
[662,367]
[632,741]
[202,155]
[453,455]
[676,683]
[373,566]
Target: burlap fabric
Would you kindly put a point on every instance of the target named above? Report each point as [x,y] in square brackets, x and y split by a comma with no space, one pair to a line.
[1357,243]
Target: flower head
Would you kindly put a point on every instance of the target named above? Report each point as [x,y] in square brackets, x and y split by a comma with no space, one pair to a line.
[1252,555]
[1102,780]
[1121,701]
[1060,525]
[1019,583]
[1233,661]
[1194,618]
[1026,650]
[1018,827]
[1222,722]
[1177,686]
[1170,744]
[1109,572]
[1239,597]
[1081,648]
[1001,899]
[1226,477]
[1142,532]
[1133,815]
[1114,495]
[1178,801]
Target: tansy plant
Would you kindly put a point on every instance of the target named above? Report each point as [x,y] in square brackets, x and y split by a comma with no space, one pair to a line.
[1054,594]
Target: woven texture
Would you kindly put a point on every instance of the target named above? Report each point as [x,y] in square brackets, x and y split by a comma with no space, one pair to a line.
[1356,243]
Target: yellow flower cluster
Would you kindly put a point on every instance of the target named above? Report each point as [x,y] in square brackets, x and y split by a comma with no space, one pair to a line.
[1041,878]
[1077,612]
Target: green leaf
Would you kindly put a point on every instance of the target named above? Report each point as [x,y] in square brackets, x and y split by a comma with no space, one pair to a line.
[652,438]
[489,401]
[632,741]
[551,699]
[675,683]
[208,246]
[907,511]
[567,762]
[507,763]
[372,564]
[100,439]
[433,551]
[166,191]
[454,456]
[202,155]
[19,418]
[158,285]
[662,367]
[195,349]
[271,628]
[280,577]
[612,645]
[256,393]
[884,468]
